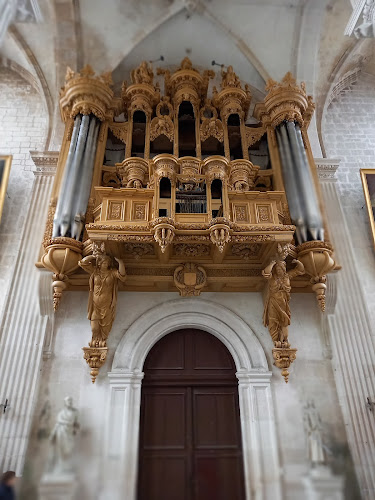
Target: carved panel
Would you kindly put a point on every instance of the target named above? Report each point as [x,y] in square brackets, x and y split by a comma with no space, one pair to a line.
[140,211]
[241,213]
[115,210]
[264,213]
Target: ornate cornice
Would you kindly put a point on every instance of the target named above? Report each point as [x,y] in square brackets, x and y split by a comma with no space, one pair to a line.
[45,162]
[327,168]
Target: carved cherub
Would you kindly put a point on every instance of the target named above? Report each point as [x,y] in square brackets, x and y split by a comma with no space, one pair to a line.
[276,314]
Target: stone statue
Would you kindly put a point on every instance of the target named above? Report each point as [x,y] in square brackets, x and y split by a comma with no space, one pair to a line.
[103,295]
[276,314]
[63,439]
[313,429]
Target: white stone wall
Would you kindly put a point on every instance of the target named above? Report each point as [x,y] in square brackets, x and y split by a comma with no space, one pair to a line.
[23,128]
[349,134]
[66,373]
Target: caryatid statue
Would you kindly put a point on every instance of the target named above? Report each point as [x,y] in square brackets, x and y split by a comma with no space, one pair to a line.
[276,314]
[63,439]
[103,294]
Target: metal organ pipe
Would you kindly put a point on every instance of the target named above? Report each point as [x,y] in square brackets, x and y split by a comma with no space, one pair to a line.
[314,216]
[84,185]
[299,185]
[66,177]
[290,181]
[75,193]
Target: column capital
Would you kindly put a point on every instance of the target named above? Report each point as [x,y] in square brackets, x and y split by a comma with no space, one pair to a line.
[45,162]
[326,168]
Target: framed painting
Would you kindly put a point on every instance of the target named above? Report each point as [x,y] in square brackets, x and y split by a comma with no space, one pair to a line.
[368,181]
[5,163]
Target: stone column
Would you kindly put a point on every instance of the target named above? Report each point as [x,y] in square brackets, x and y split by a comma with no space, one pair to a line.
[348,326]
[23,327]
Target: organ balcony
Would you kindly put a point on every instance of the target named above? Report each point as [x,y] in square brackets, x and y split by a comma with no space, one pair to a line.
[179,178]
[181,192]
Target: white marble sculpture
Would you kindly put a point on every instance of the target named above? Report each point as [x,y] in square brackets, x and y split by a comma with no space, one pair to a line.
[313,428]
[63,439]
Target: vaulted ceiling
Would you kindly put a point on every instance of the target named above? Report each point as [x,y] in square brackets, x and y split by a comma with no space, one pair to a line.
[259,38]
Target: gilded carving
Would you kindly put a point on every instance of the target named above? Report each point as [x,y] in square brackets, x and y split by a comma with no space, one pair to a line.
[254,134]
[103,285]
[190,279]
[138,250]
[143,74]
[86,93]
[139,211]
[49,224]
[163,233]
[162,123]
[111,179]
[95,357]
[220,235]
[241,214]
[276,314]
[191,250]
[119,130]
[246,251]
[242,175]
[286,100]
[133,172]
[115,210]
[61,256]
[317,259]
[264,214]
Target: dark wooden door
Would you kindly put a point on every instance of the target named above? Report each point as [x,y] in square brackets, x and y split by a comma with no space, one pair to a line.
[190,436]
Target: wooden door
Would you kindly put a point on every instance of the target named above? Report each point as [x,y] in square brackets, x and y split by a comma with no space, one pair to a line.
[190,436]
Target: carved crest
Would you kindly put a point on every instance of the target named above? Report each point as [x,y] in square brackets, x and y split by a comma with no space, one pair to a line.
[190,279]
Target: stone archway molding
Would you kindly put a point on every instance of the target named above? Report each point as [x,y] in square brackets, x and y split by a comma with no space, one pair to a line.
[260,453]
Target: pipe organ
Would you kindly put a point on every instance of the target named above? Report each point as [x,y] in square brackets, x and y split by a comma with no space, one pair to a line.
[185,195]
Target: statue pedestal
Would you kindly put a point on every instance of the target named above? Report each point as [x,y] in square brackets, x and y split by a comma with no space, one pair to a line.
[57,487]
[321,484]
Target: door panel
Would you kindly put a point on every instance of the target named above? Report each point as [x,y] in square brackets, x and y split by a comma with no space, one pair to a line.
[215,418]
[190,438]
[218,477]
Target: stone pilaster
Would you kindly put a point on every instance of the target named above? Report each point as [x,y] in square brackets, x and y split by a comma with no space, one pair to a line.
[350,335]
[23,326]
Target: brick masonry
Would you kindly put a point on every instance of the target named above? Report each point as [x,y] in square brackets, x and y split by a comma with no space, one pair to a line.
[349,134]
[23,128]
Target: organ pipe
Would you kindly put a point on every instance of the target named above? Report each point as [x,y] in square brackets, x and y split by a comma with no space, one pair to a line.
[299,186]
[75,189]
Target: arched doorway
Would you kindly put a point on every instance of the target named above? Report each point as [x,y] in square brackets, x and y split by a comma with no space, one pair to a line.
[190,433]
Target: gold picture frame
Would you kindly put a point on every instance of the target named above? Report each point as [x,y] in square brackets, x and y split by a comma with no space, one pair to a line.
[368,182]
[5,163]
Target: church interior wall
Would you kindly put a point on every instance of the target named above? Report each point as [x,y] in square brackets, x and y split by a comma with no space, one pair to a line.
[65,373]
[349,134]
[23,128]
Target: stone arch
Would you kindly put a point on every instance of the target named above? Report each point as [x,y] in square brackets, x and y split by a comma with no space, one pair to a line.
[260,453]
[229,328]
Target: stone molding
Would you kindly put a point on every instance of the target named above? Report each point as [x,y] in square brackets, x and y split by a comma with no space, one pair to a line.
[327,168]
[260,455]
[45,162]
[351,339]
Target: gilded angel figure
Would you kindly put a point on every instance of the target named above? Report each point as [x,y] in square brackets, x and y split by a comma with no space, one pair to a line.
[103,294]
[276,314]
